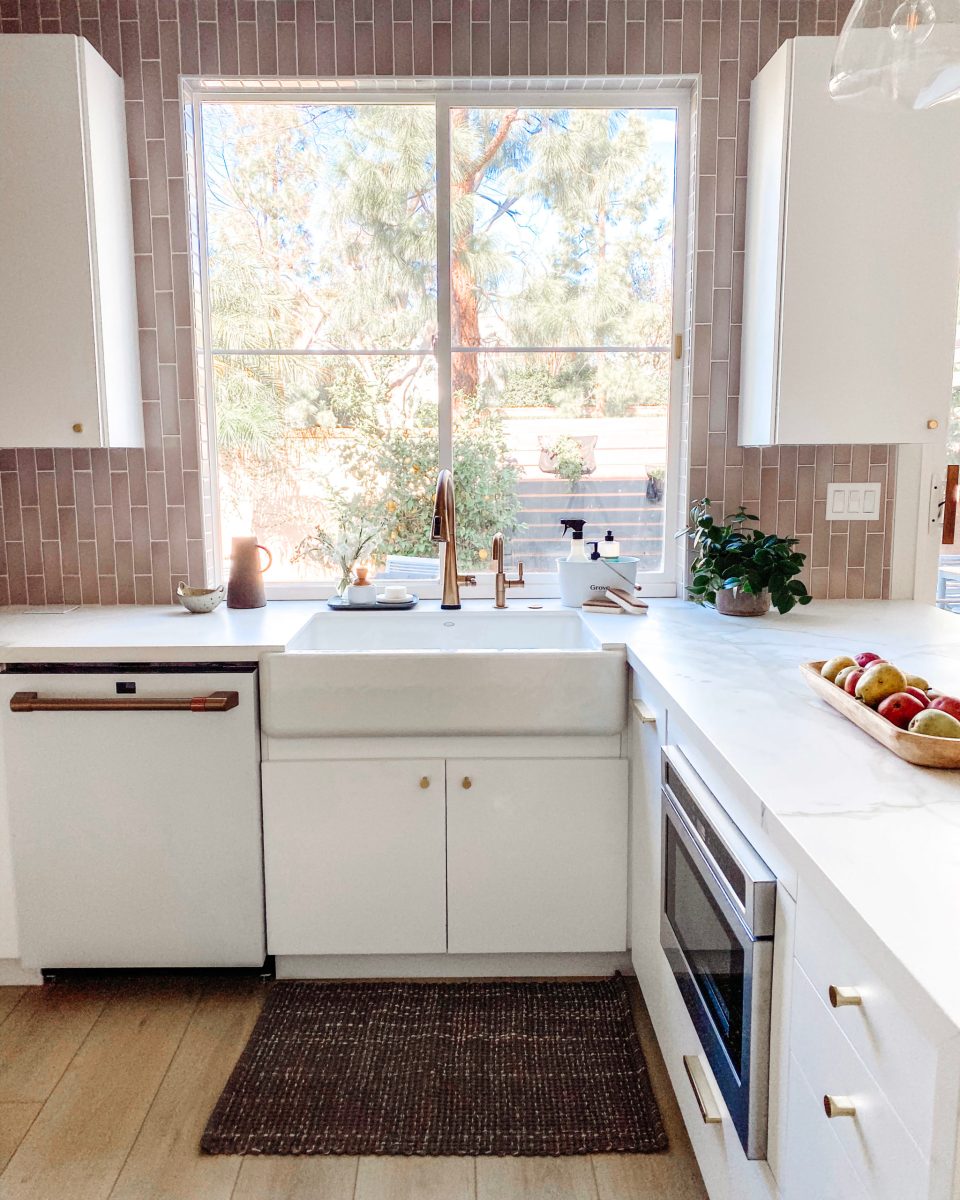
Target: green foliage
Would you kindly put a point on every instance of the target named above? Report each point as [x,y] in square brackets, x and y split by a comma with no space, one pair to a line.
[734,556]
[567,455]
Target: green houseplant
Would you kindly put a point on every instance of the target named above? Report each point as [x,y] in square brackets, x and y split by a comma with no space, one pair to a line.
[739,570]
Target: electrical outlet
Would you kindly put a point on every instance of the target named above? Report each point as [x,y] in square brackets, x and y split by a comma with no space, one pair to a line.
[853,501]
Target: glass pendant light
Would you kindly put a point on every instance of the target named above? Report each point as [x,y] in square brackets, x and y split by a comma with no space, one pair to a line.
[904,52]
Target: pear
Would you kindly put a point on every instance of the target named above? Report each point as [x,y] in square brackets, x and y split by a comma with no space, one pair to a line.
[918,681]
[935,723]
[878,682]
[830,670]
[844,673]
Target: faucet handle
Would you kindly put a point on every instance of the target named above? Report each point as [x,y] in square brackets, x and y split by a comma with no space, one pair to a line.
[467,580]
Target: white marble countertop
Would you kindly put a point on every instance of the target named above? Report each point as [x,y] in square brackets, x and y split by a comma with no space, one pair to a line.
[885,835]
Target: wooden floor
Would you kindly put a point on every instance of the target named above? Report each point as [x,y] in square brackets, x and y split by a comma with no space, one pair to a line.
[105,1089]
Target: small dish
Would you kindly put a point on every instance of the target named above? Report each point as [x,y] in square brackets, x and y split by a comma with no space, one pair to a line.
[385,599]
[200,600]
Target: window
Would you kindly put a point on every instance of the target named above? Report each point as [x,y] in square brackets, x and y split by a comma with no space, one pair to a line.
[397,282]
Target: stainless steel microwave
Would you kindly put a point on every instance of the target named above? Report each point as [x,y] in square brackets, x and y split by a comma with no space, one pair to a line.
[717,912]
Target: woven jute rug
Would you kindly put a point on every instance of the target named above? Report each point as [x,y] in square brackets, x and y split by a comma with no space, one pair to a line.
[440,1068]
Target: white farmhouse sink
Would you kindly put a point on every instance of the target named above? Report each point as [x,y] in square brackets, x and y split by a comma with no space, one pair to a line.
[429,673]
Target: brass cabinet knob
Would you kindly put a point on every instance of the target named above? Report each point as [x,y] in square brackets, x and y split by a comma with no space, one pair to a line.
[78,427]
[425,781]
[933,424]
[839,1106]
[467,782]
[840,997]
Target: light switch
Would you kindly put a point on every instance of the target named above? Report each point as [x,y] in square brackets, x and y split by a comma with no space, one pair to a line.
[853,501]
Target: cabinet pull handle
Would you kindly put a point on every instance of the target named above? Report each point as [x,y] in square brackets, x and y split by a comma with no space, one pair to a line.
[645,715]
[840,997]
[839,1106]
[28,702]
[467,782]
[425,781]
[702,1091]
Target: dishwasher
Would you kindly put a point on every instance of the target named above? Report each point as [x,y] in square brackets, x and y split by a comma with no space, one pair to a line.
[134,797]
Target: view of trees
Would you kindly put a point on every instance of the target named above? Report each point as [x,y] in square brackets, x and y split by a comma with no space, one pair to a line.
[321,224]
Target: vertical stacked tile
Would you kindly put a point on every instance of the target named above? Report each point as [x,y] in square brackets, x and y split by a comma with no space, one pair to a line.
[125,525]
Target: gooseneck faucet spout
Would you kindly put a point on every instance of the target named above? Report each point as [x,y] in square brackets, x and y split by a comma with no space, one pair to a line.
[444,531]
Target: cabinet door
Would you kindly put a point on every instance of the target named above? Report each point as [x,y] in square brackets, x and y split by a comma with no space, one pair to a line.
[814,1162]
[537,855]
[354,857]
[648,721]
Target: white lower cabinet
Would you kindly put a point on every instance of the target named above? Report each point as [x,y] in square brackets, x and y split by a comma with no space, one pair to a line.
[814,1164]
[537,855]
[354,857]
[381,857]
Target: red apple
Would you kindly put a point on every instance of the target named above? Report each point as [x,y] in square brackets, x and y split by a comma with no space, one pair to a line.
[900,709]
[851,681]
[948,704]
[920,695]
[867,657]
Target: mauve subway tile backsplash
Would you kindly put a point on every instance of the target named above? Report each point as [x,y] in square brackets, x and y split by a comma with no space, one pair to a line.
[124,526]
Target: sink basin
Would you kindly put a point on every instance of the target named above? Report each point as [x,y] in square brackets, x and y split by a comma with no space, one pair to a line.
[423,629]
[429,673]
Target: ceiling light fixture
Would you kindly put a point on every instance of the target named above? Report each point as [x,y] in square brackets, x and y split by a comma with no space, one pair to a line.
[904,52]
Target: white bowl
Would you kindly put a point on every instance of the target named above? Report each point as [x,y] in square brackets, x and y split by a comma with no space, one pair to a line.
[200,600]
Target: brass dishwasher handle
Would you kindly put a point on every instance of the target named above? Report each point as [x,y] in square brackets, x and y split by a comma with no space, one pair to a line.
[28,702]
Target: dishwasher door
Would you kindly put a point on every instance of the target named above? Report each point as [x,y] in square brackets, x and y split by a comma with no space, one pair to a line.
[136,828]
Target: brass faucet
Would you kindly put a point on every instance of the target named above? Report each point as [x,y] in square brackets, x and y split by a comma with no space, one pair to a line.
[503,582]
[444,531]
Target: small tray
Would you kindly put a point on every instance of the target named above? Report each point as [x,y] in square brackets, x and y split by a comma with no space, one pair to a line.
[340,605]
[916,748]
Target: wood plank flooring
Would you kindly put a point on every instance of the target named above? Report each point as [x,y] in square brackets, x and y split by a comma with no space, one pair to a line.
[106,1087]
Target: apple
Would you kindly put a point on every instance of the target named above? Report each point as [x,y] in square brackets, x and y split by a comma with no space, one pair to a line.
[867,657]
[919,693]
[851,681]
[900,709]
[947,704]
[879,681]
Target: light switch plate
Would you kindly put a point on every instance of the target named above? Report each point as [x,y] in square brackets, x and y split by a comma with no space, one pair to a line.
[853,501]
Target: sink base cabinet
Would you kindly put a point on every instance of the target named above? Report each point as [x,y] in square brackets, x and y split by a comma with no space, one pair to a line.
[354,857]
[381,857]
[537,855]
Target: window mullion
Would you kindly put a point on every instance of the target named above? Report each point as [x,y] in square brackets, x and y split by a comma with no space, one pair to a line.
[444,338]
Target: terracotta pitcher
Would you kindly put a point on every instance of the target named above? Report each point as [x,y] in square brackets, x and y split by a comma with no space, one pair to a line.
[245,589]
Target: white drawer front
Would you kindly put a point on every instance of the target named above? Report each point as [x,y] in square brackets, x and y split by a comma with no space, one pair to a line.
[891,1045]
[814,1164]
[884,1155]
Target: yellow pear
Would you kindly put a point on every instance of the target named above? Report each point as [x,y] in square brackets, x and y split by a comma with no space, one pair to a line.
[830,670]
[917,681]
[935,723]
[878,682]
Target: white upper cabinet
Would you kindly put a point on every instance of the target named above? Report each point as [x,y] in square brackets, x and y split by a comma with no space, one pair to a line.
[69,361]
[851,269]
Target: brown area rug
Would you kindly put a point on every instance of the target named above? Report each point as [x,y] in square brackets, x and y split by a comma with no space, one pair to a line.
[440,1068]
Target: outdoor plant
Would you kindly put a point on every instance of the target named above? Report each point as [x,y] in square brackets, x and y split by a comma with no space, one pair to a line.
[655,478]
[734,556]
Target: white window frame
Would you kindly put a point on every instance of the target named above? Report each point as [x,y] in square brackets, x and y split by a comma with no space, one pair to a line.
[602,92]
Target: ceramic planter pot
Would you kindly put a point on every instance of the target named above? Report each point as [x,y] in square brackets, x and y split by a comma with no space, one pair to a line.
[734,603]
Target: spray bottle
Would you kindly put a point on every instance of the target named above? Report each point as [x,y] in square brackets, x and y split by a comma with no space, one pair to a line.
[578,551]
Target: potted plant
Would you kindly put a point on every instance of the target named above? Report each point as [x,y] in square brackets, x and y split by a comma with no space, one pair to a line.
[350,536]
[568,456]
[655,478]
[740,570]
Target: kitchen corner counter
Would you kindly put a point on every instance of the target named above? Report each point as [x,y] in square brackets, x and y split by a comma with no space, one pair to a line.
[129,633]
[855,821]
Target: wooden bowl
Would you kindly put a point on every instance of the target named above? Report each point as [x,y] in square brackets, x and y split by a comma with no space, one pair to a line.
[916,748]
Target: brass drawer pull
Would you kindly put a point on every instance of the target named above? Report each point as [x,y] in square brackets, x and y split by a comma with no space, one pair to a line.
[645,715]
[702,1091]
[467,782]
[29,702]
[425,781]
[840,997]
[839,1106]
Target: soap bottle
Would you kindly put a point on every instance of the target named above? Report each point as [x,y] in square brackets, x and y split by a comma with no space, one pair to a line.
[609,548]
[578,551]
[595,552]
